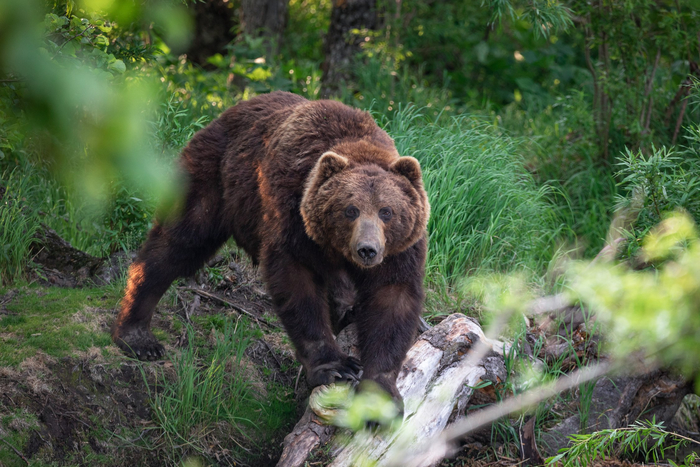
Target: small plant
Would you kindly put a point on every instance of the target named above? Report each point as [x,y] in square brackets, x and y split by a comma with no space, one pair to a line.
[647,439]
[656,183]
[667,179]
[585,398]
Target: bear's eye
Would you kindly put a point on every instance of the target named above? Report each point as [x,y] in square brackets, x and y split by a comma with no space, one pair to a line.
[385,214]
[352,213]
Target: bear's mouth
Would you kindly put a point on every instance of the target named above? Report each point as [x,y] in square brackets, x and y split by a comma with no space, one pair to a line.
[367,263]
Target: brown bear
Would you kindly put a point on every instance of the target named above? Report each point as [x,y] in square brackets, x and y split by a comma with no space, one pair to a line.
[316,193]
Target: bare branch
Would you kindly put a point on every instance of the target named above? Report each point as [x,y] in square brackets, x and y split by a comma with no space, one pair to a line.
[229,303]
[15,449]
[679,121]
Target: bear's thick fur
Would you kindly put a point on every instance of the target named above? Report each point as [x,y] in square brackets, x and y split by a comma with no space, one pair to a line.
[316,193]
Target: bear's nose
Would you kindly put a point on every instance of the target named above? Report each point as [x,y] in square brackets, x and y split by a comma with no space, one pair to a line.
[366,252]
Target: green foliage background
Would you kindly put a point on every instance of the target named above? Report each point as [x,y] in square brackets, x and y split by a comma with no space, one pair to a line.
[95,105]
[534,121]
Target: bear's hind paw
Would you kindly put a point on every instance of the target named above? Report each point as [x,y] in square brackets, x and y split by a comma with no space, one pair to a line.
[140,344]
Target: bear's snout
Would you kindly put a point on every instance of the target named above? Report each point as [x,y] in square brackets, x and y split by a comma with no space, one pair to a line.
[368,243]
[366,251]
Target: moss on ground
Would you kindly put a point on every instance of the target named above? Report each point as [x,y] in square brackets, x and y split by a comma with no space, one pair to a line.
[55,321]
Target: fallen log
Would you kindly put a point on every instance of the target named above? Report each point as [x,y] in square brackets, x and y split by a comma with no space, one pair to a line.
[436,383]
[444,372]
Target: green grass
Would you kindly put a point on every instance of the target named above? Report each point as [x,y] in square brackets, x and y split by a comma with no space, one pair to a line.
[16,438]
[213,397]
[55,321]
[212,394]
[560,151]
[17,225]
[487,213]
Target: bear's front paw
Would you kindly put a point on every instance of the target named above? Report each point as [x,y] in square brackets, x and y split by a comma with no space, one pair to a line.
[138,342]
[344,369]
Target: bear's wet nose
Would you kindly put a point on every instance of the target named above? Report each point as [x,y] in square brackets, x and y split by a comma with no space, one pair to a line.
[366,252]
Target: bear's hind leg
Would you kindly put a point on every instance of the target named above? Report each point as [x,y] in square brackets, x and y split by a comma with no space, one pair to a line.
[169,253]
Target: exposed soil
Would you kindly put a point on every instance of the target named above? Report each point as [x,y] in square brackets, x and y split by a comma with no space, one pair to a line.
[72,400]
[94,407]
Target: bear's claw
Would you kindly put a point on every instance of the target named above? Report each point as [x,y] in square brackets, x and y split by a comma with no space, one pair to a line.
[346,369]
[139,343]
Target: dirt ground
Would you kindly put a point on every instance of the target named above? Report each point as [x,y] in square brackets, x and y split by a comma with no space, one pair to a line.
[94,407]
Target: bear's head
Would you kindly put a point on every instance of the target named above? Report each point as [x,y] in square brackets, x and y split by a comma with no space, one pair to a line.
[362,210]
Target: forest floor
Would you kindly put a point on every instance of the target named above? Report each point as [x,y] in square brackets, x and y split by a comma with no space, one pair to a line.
[227,394]
[69,396]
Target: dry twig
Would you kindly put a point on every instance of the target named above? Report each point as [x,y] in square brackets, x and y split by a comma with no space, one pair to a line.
[229,303]
[15,449]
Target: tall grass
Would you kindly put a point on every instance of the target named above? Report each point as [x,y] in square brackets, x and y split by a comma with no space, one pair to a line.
[208,390]
[17,225]
[487,212]
[561,149]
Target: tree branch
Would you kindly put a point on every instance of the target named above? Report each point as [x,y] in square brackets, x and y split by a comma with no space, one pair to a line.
[229,303]
[15,449]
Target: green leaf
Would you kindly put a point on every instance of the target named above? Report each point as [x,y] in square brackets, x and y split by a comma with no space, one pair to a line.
[101,41]
[117,66]
[217,60]
[259,74]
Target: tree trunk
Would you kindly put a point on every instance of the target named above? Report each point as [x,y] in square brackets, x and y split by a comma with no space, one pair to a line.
[341,44]
[214,22]
[265,18]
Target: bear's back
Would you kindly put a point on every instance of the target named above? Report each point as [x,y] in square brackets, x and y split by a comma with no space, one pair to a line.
[272,143]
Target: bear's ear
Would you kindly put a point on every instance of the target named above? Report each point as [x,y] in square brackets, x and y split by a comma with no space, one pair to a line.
[409,167]
[328,165]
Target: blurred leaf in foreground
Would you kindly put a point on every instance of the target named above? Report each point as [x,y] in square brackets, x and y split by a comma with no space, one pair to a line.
[655,312]
[88,113]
